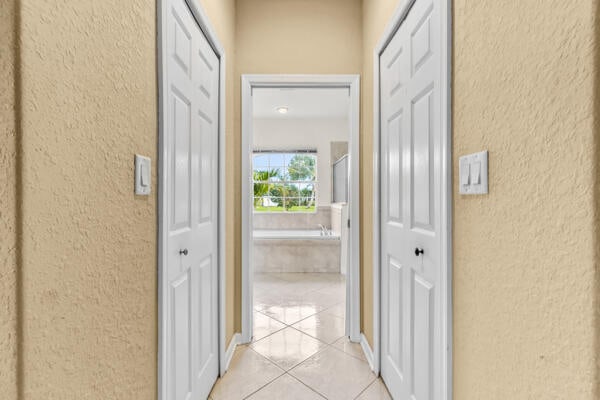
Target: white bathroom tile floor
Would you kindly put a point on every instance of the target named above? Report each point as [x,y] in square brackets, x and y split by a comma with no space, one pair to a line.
[299,350]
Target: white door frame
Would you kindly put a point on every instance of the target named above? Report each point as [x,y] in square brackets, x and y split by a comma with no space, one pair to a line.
[446,190]
[352,82]
[162,57]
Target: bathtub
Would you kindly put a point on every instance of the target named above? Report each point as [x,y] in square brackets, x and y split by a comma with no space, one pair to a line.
[295,251]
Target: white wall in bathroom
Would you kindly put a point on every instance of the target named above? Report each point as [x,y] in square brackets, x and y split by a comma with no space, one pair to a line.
[304,133]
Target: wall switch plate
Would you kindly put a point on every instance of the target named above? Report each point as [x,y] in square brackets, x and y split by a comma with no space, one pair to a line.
[473,173]
[143,175]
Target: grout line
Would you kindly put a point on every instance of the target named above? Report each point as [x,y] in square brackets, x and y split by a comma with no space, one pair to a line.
[365,389]
[325,346]
[308,358]
[261,356]
[311,388]
[269,360]
[349,355]
[263,386]
[311,336]
[374,378]
[298,363]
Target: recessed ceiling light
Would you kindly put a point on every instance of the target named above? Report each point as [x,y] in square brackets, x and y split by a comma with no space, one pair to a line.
[282,110]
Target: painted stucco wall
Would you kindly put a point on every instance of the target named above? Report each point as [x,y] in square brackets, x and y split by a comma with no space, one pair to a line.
[375,14]
[8,201]
[526,255]
[221,14]
[291,37]
[89,271]
[88,274]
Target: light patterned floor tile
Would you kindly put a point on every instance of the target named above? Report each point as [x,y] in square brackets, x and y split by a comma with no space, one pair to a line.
[338,310]
[315,304]
[248,372]
[264,326]
[288,347]
[353,349]
[285,387]
[326,327]
[334,374]
[290,314]
[376,391]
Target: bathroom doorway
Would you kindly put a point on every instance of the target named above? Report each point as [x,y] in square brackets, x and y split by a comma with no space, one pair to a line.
[300,214]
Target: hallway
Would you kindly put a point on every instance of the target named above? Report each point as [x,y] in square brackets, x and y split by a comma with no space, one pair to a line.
[299,350]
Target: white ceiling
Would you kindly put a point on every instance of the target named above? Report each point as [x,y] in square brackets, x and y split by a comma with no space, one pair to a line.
[302,103]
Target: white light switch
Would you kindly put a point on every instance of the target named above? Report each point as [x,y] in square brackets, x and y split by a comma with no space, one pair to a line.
[465,172]
[473,172]
[142,175]
[476,172]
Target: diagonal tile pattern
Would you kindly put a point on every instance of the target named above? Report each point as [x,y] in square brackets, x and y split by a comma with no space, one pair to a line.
[288,347]
[249,372]
[326,327]
[335,374]
[299,350]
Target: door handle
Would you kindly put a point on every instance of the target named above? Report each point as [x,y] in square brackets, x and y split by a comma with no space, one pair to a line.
[419,251]
[184,252]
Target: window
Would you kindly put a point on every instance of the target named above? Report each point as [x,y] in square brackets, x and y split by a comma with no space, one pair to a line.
[284,181]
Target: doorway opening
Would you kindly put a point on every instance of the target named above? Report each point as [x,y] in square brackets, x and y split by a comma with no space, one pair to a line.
[300,237]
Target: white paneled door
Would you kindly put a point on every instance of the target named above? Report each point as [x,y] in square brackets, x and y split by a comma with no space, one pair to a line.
[411,184]
[191,142]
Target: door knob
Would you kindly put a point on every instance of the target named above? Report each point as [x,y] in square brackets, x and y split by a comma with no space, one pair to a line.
[419,251]
[184,252]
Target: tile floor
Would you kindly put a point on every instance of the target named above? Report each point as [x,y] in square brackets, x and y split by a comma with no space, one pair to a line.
[299,350]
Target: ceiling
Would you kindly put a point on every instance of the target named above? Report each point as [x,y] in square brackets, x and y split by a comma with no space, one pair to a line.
[301,102]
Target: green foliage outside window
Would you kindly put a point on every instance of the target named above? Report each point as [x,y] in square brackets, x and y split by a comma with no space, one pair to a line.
[284,182]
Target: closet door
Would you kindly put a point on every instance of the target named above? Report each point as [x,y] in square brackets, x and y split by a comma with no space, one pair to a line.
[410,206]
[191,141]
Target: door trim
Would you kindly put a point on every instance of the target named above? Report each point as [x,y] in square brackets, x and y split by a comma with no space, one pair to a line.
[352,82]
[208,31]
[446,190]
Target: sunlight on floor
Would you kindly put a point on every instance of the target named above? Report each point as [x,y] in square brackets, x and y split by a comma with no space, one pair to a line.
[299,350]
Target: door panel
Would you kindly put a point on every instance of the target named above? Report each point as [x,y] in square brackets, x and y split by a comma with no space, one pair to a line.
[420,40]
[180,154]
[192,148]
[410,206]
[421,161]
[395,167]
[207,171]
[181,359]
[205,299]
[422,334]
[395,314]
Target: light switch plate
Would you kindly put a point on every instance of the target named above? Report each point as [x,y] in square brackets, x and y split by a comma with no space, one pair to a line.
[473,173]
[143,175]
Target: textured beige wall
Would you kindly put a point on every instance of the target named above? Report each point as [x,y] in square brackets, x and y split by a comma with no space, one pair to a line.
[376,15]
[8,201]
[525,255]
[89,246]
[291,37]
[596,173]
[221,14]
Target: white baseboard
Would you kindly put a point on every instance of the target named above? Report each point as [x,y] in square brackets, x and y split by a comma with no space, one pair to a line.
[235,340]
[368,352]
